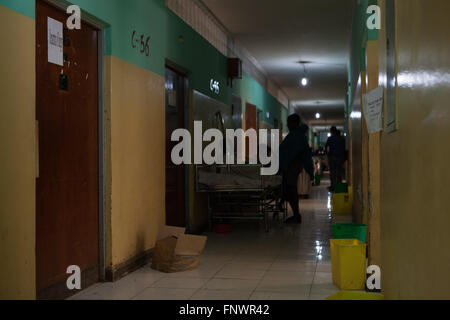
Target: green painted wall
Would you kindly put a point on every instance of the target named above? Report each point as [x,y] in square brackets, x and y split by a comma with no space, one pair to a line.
[25,7]
[153,18]
[360,36]
[195,54]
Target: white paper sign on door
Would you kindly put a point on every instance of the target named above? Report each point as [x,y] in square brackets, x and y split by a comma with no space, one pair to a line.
[55,41]
[373,110]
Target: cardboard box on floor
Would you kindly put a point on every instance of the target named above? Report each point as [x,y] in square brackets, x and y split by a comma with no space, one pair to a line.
[176,251]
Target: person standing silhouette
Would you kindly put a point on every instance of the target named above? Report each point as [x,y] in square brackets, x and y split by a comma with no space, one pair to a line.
[295,155]
[335,148]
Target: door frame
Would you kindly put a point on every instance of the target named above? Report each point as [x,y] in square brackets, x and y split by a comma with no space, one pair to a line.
[102,144]
[183,72]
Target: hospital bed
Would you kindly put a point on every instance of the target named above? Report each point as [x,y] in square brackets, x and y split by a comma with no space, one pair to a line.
[240,192]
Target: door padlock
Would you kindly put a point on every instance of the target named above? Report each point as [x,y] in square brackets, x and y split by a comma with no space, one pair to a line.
[63,82]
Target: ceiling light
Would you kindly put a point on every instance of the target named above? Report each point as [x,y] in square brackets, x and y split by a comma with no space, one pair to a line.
[317,115]
[304,82]
[356,115]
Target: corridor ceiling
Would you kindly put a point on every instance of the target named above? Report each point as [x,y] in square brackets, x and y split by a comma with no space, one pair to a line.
[281,33]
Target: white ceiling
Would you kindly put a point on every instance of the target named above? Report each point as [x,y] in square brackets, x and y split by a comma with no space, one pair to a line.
[281,33]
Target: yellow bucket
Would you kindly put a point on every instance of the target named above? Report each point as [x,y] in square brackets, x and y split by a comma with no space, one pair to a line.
[356,295]
[348,263]
[343,202]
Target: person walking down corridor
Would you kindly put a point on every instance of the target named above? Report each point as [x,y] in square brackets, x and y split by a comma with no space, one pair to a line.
[295,155]
[335,148]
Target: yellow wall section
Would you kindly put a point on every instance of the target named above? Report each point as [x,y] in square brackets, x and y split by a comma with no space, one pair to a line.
[374,163]
[365,155]
[138,159]
[107,159]
[17,160]
[415,218]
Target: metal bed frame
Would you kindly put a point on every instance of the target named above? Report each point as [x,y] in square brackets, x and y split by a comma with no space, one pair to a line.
[241,202]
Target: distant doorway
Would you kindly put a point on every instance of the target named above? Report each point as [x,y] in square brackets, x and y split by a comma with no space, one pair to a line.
[251,122]
[176,93]
[237,112]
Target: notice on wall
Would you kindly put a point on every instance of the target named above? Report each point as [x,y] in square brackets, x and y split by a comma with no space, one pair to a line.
[55,41]
[373,110]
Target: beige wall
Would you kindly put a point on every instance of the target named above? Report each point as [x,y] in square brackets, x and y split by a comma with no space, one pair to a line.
[17,156]
[415,215]
[138,159]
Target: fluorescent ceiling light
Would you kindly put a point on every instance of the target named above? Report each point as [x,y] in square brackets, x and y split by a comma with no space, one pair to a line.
[355,115]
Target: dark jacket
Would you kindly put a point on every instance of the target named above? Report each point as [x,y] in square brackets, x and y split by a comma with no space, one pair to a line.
[336,146]
[295,154]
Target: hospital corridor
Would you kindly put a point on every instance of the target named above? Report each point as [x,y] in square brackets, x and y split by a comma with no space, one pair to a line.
[224,158]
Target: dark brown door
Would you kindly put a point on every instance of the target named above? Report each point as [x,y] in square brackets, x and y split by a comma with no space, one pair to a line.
[175,174]
[251,122]
[67,205]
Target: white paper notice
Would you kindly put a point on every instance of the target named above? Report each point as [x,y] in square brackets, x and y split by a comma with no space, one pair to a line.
[373,110]
[55,41]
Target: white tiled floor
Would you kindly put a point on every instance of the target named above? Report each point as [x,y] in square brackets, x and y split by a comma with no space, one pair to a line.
[290,262]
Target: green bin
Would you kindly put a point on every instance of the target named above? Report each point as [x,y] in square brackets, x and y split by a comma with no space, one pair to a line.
[341,188]
[350,231]
[317,179]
